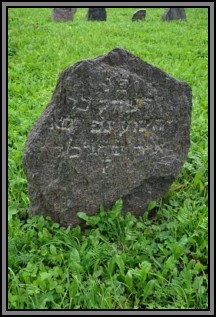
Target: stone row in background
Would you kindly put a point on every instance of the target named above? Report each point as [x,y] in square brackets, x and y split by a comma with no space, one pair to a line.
[99,14]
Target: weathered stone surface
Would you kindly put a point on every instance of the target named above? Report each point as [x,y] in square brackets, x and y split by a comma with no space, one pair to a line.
[63,14]
[139,15]
[116,127]
[96,14]
[174,14]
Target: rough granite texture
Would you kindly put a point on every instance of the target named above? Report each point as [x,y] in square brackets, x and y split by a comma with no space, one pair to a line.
[116,127]
[174,14]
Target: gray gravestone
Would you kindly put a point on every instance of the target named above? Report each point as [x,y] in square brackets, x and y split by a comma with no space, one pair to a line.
[63,14]
[115,127]
[96,14]
[139,15]
[174,14]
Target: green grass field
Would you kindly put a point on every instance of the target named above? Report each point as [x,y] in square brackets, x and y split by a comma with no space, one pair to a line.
[159,261]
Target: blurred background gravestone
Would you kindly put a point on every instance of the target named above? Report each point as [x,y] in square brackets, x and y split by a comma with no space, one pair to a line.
[96,14]
[63,14]
[139,15]
[174,14]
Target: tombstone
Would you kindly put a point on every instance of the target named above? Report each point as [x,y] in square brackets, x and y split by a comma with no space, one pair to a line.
[63,14]
[139,15]
[174,14]
[116,127]
[96,14]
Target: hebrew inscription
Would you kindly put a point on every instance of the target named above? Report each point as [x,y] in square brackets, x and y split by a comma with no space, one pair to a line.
[115,127]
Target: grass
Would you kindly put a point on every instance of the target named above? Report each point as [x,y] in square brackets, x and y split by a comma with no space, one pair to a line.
[158,261]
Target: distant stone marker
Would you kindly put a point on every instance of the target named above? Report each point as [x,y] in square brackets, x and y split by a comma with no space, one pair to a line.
[63,14]
[139,15]
[116,127]
[174,14]
[96,14]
